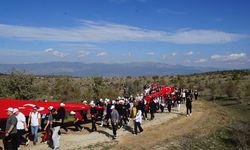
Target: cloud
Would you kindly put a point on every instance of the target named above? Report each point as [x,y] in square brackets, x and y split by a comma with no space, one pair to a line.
[169,56]
[189,53]
[100,54]
[230,57]
[91,31]
[53,52]
[83,53]
[150,53]
[202,60]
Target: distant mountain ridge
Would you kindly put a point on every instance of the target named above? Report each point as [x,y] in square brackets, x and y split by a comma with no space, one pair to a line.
[101,69]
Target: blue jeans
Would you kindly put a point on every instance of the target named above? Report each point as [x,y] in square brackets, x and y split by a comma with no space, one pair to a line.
[34,131]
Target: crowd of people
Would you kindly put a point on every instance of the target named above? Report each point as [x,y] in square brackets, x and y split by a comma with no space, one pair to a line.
[118,113]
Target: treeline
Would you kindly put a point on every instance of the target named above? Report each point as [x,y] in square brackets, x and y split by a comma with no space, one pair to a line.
[213,85]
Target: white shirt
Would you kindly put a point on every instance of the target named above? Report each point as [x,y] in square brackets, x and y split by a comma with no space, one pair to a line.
[20,121]
[183,94]
[34,117]
[138,117]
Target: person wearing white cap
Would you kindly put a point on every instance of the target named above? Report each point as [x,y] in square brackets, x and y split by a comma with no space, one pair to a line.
[114,120]
[47,136]
[11,130]
[77,121]
[21,127]
[93,113]
[56,123]
[34,122]
[61,112]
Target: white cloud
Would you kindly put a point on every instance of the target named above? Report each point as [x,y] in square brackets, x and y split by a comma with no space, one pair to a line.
[230,57]
[101,54]
[202,60]
[169,56]
[53,52]
[189,53]
[90,31]
[83,53]
[150,53]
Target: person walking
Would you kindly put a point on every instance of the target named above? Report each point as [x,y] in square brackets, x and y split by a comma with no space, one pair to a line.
[77,121]
[146,109]
[47,138]
[11,131]
[93,113]
[61,112]
[152,108]
[56,125]
[21,127]
[138,120]
[189,105]
[178,102]
[196,94]
[34,123]
[169,103]
[162,104]
[114,120]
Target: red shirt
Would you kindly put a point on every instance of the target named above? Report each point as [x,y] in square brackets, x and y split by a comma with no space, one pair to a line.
[78,116]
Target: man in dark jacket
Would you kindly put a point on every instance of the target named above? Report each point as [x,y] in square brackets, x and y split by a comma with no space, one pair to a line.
[189,105]
[61,113]
[169,103]
[152,108]
[93,113]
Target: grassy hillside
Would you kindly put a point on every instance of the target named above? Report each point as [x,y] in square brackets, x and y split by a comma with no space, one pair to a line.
[212,85]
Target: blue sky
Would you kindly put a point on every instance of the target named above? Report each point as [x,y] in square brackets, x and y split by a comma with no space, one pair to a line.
[195,32]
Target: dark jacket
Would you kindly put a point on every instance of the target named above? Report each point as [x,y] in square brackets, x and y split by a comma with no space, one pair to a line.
[61,112]
[152,106]
[93,112]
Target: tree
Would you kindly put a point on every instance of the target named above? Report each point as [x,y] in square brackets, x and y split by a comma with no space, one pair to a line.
[18,85]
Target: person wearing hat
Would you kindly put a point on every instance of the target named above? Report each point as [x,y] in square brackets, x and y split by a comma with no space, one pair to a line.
[11,130]
[56,124]
[93,113]
[47,138]
[21,127]
[108,111]
[114,119]
[77,121]
[34,123]
[61,112]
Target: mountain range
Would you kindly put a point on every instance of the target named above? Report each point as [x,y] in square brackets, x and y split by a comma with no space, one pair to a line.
[102,69]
